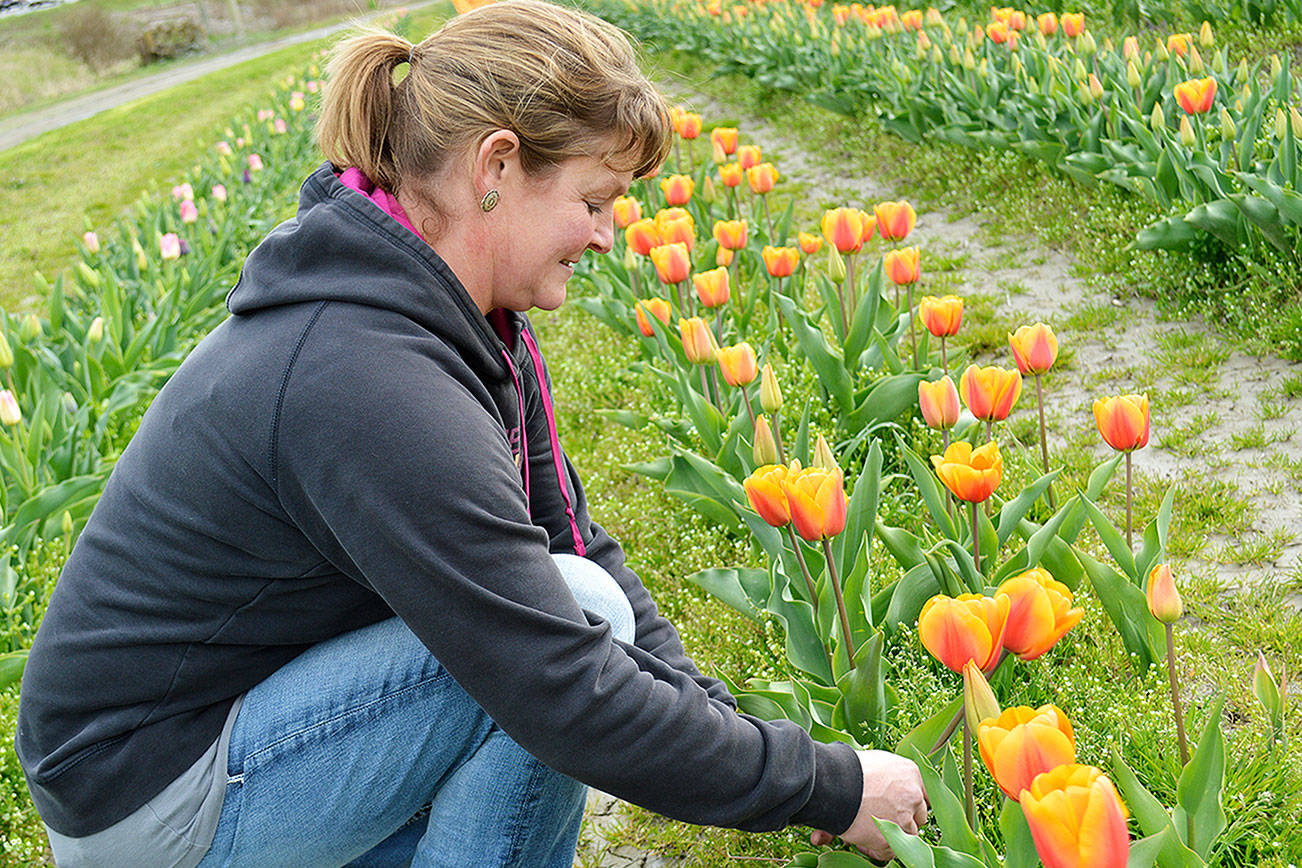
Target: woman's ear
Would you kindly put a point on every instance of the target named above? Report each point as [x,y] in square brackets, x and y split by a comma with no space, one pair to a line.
[498,158]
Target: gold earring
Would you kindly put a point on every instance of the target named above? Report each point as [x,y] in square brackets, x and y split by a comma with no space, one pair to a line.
[489,202]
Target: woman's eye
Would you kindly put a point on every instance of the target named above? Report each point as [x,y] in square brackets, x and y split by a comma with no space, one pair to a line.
[594,209]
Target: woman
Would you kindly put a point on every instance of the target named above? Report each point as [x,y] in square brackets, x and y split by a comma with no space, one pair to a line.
[221,678]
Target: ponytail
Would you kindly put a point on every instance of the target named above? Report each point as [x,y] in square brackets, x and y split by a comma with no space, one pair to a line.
[358,106]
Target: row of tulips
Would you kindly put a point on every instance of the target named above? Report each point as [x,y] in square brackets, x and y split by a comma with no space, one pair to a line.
[1212,146]
[747,319]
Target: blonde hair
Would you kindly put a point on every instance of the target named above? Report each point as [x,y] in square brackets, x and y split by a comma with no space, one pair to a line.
[565,82]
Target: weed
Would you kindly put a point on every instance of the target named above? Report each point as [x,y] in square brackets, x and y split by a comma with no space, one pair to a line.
[1093,318]
[1260,549]
[1187,440]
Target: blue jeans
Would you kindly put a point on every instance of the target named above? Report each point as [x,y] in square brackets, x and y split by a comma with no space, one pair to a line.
[363,751]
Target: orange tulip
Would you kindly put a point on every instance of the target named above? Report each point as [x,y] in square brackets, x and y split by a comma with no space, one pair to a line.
[761,178]
[678,189]
[1035,348]
[971,474]
[780,261]
[939,402]
[748,156]
[998,32]
[672,261]
[712,287]
[869,226]
[1039,612]
[676,113]
[1123,421]
[990,393]
[698,341]
[723,257]
[942,316]
[681,231]
[1048,23]
[963,629]
[689,125]
[738,364]
[817,499]
[1130,48]
[731,174]
[844,229]
[642,235]
[895,220]
[732,234]
[1073,24]
[627,211]
[725,138]
[912,20]
[1195,96]
[1077,819]
[1163,599]
[1178,44]
[1023,742]
[657,307]
[809,244]
[903,266]
[666,216]
[766,494]
[1016,20]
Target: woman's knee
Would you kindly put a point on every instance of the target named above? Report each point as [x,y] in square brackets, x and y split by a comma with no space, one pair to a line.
[597,591]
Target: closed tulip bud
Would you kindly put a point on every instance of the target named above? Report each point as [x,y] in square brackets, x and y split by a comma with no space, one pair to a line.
[6,352]
[731,174]
[708,194]
[823,456]
[954,57]
[1295,120]
[1275,66]
[895,220]
[979,702]
[971,475]
[1281,124]
[780,261]
[88,274]
[1157,120]
[627,212]
[969,60]
[1241,72]
[698,341]
[1187,137]
[189,211]
[1022,743]
[770,392]
[1163,599]
[66,523]
[30,329]
[219,192]
[1077,819]
[1087,45]
[1266,687]
[142,261]
[91,242]
[765,450]
[1162,53]
[672,261]
[767,496]
[10,413]
[1083,95]
[1130,48]
[656,307]
[1096,87]
[816,496]
[723,257]
[809,244]
[712,287]
[1195,60]
[1132,75]
[255,163]
[732,234]
[836,266]
[1039,613]
[939,403]
[169,246]
[738,364]
[1035,348]
[964,629]
[1123,421]
[983,69]
[1205,35]
[1228,132]
[903,266]
[95,333]
[990,393]
[748,156]
[717,155]
[761,178]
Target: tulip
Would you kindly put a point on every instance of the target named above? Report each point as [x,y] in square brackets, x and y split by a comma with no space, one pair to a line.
[990,392]
[1195,96]
[1024,742]
[780,261]
[738,364]
[761,178]
[142,261]
[657,307]
[970,474]
[689,126]
[941,316]
[939,403]
[712,287]
[732,234]
[698,341]
[255,163]
[979,702]
[895,220]
[182,192]
[748,156]
[169,246]
[279,126]
[708,194]
[1039,612]
[823,455]
[680,231]
[1076,818]
[1178,44]
[219,192]
[725,138]
[10,413]
[731,174]
[6,353]
[296,104]
[627,211]
[95,333]
[678,189]
[1163,599]
[223,148]
[91,242]
[30,328]
[765,450]
[642,236]
[1048,23]
[809,244]
[1130,48]
[912,20]
[1272,694]
[767,496]
[770,392]
[998,32]
[964,629]
[818,503]
[844,229]
[1123,421]
[672,261]
[1035,348]
[903,266]
[723,257]
[1073,24]
[667,216]
[189,211]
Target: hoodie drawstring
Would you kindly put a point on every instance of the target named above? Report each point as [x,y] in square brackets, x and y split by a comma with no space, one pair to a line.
[562,478]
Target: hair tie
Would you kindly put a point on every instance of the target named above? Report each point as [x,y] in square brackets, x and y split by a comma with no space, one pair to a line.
[411,55]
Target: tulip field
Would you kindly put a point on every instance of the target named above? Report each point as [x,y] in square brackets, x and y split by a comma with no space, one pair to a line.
[876,502]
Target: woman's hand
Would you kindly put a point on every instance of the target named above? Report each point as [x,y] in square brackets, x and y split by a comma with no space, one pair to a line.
[892,790]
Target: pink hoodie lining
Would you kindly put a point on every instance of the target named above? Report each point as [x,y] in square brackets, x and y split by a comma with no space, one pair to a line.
[354,179]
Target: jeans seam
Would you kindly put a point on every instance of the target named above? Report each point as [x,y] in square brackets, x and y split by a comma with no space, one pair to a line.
[527,808]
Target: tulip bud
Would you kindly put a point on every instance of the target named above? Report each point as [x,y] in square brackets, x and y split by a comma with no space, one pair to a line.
[969,61]
[1275,66]
[69,403]
[823,456]
[698,342]
[142,261]
[1132,75]
[984,69]
[979,702]
[6,352]
[67,523]
[1108,47]
[936,55]
[1195,60]
[1241,73]
[10,414]
[1205,35]
[1087,45]
[770,392]
[88,274]
[1296,120]
[835,265]
[95,333]
[1264,684]
[1163,599]
[766,447]
[1281,123]
[708,194]
[717,154]
[1227,126]
[1084,95]
[1187,137]
[1161,54]
[91,242]
[630,258]
[954,57]
[1096,87]
[1078,70]
[30,329]
[1130,48]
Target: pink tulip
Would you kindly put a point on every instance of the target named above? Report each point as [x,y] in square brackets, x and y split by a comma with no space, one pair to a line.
[170,246]
[189,211]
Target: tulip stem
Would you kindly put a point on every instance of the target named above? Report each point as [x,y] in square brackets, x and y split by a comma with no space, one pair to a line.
[637,282]
[969,801]
[750,411]
[1129,519]
[849,296]
[840,602]
[913,337]
[976,538]
[990,427]
[718,326]
[777,436]
[944,360]
[1175,702]
[768,219]
[804,571]
[947,731]
[1044,446]
[716,393]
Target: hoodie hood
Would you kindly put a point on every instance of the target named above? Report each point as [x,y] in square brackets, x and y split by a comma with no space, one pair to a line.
[342,247]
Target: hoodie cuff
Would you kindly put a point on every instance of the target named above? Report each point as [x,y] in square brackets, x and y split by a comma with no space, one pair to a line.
[838,789]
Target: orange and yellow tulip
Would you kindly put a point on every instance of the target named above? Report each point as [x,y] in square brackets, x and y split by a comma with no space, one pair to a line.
[844,229]
[731,174]
[1123,421]
[712,287]
[761,178]
[809,244]
[657,307]
[1196,95]
[689,125]
[698,341]
[903,266]
[1024,742]
[818,504]
[895,220]
[748,156]
[672,261]
[780,261]
[678,189]
[941,316]
[723,257]
[642,235]
[998,32]
[1035,348]
[738,364]
[681,231]
[1163,599]
[732,234]
[1077,820]
[965,629]
[1048,23]
[627,211]
[1073,24]
[1039,612]
[766,494]
[1178,44]
[970,474]
[991,392]
[665,216]
[912,20]
[725,138]
[939,403]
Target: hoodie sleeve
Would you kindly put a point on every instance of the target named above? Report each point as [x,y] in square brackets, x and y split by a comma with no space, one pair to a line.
[396,468]
[557,502]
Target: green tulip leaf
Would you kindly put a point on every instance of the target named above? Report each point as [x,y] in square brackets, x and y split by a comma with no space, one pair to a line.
[825,361]
[861,512]
[911,593]
[1145,852]
[843,859]
[11,667]
[1126,607]
[1200,787]
[743,589]
[1019,846]
[1112,539]
[1015,510]
[924,736]
[933,495]
[913,852]
[1153,550]
[946,806]
[1152,817]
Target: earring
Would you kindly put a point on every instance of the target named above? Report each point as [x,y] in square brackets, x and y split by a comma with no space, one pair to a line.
[489,202]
